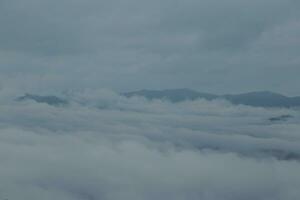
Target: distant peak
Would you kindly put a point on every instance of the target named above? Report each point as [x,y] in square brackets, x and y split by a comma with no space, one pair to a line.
[266,92]
[50,100]
[256,98]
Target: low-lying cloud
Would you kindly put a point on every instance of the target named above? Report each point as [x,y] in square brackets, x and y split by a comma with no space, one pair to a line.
[105,146]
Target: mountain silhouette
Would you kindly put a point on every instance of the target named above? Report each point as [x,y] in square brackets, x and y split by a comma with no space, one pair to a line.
[50,100]
[257,99]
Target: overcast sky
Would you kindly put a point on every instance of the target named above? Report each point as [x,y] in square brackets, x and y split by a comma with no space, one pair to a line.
[220,46]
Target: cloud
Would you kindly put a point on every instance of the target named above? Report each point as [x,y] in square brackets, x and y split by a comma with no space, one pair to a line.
[105,146]
[207,45]
[129,170]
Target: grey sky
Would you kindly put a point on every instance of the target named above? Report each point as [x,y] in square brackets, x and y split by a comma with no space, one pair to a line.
[208,45]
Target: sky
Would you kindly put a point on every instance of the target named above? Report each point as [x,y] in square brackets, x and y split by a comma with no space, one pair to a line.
[228,46]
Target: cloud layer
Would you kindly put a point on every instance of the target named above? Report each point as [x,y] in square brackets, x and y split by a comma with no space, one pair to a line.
[104,146]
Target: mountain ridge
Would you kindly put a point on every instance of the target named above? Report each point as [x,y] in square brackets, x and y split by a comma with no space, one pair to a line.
[256,98]
[50,100]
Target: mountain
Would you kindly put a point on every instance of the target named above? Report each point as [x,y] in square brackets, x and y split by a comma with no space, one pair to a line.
[257,99]
[280,118]
[50,100]
[263,99]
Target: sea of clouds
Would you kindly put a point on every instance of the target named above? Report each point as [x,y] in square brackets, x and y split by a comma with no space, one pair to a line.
[103,146]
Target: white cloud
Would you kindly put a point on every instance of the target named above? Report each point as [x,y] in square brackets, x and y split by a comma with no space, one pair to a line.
[104,146]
